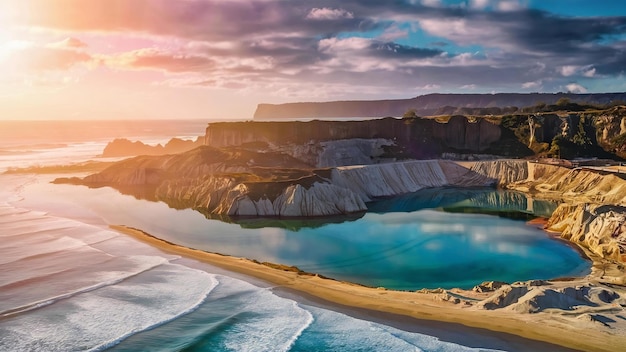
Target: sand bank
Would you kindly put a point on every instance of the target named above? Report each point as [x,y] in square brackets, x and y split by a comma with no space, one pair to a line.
[551,326]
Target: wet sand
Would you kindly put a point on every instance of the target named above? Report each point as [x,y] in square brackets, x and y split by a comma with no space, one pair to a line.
[423,312]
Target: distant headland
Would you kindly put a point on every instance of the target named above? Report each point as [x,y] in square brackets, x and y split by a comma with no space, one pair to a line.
[430,104]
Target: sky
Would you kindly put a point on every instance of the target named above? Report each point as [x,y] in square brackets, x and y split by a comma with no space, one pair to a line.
[218,59]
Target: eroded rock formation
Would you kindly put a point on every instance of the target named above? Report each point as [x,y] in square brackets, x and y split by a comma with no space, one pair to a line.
[601,228]
[538,296]
[420,138]
[238,182]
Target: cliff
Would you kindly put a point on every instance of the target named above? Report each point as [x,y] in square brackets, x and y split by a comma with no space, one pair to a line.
[414,138]
[424,105]
[568,135]
[601,228]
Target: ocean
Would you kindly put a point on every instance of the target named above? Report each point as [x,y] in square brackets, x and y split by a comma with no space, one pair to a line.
[69,283]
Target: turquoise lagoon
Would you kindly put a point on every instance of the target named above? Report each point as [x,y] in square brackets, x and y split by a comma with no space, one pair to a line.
[433,238]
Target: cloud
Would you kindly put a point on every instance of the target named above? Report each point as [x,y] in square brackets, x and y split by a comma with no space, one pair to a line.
[159,60]
[328,14]
[429,87]
[387,44]
[576,88]
[532,85]
[68,43]
[432,3]
[509,5]
[569,70]
[479,4]
[590,72]
[498,5]
[393,33]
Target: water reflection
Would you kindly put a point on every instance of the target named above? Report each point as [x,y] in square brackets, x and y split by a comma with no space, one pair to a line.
[504,203]
[470,200]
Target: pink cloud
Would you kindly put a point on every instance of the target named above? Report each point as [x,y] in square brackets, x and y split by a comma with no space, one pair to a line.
[160,60]
[327,14]
[68,43]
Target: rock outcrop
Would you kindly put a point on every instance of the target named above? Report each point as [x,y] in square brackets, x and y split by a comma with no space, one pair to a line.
[525,297]
[601,228]
[124,147]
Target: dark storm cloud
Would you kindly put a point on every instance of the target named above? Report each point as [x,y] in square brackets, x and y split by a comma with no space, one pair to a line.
[394,50]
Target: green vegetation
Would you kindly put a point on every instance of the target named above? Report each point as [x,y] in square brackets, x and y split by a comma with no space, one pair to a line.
[619,140]
[563,104]
[410,114]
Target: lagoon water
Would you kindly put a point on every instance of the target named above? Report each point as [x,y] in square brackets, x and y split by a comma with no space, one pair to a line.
[406,250]
[69,283]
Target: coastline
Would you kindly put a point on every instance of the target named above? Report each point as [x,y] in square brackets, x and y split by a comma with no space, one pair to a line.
[401,307]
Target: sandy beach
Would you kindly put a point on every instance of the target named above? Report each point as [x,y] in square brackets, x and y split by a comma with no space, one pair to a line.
[404,309]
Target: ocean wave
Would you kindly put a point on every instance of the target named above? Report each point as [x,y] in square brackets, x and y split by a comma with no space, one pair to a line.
[249,318]
[147,263]
[101,318]
[193,307]
[32,247]
[305,326]
[35,225]
[334,331]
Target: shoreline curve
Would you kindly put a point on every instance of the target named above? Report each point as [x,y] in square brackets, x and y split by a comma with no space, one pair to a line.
[423,305]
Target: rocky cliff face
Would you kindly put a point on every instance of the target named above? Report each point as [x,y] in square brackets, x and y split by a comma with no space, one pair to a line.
[424,105]
[340,152]
[504,171]
[419,138]
[336,191]
[601,228]
[227,196]
[393,179]
[564,135]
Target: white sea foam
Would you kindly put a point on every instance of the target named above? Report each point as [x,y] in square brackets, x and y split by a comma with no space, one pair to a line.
[260,321]
[339,332]
[98,319]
